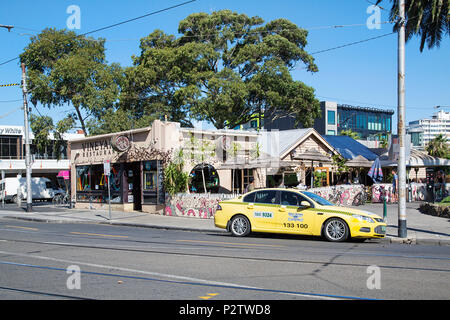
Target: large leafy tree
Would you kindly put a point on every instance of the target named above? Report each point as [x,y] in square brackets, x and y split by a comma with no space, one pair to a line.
[64,69]
[427,19]
[224,68]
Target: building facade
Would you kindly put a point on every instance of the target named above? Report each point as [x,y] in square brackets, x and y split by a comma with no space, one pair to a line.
[369,123]
[44,163]
[424,130]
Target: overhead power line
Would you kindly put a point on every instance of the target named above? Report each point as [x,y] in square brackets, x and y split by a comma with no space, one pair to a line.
[8,61]
[140,17]
[120,23]
[352,43]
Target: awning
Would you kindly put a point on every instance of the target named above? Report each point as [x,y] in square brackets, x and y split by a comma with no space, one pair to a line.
[360,162]
[65,174]
[311,155]
[418,159]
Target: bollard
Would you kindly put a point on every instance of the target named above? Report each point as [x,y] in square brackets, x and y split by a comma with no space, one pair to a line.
[384,210]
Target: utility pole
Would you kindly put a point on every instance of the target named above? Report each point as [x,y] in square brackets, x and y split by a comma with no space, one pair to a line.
[27,140]
[402,230]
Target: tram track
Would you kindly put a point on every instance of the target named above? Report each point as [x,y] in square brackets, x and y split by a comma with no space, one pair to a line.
[235,257]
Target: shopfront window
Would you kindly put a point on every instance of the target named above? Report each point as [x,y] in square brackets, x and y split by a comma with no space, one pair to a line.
[92,184]
[150,175]
[8,147]
[153,179]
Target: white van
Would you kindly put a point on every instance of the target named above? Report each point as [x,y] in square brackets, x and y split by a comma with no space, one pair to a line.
[42,189]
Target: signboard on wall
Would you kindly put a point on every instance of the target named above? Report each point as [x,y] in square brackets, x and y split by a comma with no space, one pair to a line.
[120,143]
[11,131]
[161,191]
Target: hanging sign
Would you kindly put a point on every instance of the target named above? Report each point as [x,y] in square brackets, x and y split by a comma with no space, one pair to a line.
[120,143]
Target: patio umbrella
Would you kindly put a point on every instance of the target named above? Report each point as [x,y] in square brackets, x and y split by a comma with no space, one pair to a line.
[375,171]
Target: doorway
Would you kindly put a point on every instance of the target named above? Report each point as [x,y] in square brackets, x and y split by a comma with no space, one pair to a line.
[133,173]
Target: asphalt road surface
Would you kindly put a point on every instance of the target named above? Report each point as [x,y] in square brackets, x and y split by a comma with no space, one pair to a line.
[92,261]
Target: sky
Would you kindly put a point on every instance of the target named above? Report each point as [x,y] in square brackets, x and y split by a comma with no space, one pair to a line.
[364,74]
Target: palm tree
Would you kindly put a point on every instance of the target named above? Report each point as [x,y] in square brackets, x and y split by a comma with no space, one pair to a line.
[438,147]
[428,19]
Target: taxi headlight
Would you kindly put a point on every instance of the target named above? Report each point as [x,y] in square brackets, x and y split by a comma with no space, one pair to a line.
[363,218]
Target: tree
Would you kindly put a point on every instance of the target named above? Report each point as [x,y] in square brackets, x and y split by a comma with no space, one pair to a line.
[339,163]
[427,19]
[175,179]
[349,133]
[43,127]
[438,147]
[64,68]
[224,68]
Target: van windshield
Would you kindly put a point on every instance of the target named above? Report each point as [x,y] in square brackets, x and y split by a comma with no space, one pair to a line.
[49,185]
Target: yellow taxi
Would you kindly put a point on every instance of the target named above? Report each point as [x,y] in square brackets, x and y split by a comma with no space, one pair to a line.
[293,211]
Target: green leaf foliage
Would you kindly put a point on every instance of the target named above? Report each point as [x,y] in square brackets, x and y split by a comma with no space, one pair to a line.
[224,68]
[66,69]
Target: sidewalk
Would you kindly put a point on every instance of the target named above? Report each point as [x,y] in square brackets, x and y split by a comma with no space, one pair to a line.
[422,228]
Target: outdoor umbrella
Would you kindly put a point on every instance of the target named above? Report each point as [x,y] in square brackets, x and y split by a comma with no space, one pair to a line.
[375,171]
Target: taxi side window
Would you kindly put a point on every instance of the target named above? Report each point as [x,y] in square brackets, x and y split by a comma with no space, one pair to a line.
[291,199]
[266,196]
[249,198]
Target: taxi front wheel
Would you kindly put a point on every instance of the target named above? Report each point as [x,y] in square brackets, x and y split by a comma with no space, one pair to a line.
[335,230]
[240,226]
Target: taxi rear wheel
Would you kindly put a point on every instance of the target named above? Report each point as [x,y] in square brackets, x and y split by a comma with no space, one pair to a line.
[335,230]
[240,226]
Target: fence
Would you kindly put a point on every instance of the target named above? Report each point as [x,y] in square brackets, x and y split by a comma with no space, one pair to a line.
[194,205]
[204,206]
[343,195]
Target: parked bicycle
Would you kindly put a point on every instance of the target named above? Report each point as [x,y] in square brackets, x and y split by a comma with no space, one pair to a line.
[61,199]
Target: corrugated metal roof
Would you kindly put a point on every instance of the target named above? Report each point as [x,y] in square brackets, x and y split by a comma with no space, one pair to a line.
[289,137]
[350,148]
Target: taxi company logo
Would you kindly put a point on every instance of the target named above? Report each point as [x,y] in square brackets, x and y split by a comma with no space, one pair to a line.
[261,214]
[295,216]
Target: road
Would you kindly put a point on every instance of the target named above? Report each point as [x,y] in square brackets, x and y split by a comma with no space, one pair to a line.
[117,262]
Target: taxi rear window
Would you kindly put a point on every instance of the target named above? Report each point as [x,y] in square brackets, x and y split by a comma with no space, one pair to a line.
[266,196]
[250,197]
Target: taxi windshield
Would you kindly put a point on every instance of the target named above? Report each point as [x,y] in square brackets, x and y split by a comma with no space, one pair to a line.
[318,199]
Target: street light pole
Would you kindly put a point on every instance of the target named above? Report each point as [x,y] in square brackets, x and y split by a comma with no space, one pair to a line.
[27,140]
[402,230]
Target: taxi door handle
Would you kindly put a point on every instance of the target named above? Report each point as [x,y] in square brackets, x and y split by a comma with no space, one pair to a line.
[282,209]
[250,206]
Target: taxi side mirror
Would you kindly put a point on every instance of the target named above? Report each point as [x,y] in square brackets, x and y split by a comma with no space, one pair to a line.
[305,204]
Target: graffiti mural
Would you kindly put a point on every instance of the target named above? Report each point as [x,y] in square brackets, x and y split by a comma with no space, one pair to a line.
[418,192]
[343,195]
[201,206]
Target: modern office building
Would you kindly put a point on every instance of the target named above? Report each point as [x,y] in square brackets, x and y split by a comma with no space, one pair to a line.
[44,163]
[369,123]
[424,130]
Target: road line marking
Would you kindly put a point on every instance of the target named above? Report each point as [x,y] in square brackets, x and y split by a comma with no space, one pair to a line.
[26,228]
[179,278]
[99,234]
[233,243]
[208,296]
